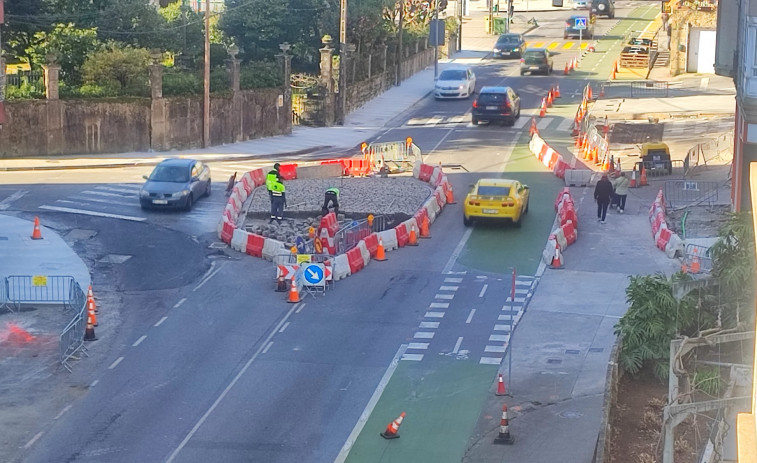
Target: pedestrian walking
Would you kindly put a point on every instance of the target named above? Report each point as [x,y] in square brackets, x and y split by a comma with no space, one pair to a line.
[331,198]
[621,185]
[273,176]
[278,201]
[603,196]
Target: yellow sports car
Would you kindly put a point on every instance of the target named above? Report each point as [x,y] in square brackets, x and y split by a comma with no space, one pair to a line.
[496,198]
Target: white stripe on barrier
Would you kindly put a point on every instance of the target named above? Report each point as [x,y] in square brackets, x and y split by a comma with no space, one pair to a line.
[675,247]
[341,268]
[561,240]
[271,248]
[364,252]
[389,238]
[239,240]
[417,169]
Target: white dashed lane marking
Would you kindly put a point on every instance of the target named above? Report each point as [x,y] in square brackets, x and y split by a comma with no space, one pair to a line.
[424,335]
[434,315]
[429,325]
[439,305]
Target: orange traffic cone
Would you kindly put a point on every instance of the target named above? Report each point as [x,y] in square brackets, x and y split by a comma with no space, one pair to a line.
[643,181]
[589,96]
[557,259]
[557,91]
[566,71]
[413,239]
[695,266]
[633,178]
[450,196]
[549,99]
[543,110]
[294,295]
[393,428]
[91,311]
[91,297]
[380,256]
[89,332]
[533,128]
[602,91]
[612,74]
[36,234]
[424,227]
[281,284]
[605,163]
[504,436]
[500,385]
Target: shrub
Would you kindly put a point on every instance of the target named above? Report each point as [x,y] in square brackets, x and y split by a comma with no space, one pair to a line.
[260,75]
[182,83]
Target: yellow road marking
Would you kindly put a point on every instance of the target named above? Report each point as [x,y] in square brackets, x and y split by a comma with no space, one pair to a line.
[535,44]
[568,45]
[553,45]
[584,45]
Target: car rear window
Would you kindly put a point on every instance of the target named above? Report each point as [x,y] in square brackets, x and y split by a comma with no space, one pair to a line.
[452,74]
[489,190]
[534,54]
[491,98]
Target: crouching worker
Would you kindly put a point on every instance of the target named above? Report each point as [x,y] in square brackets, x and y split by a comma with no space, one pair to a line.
[331,198]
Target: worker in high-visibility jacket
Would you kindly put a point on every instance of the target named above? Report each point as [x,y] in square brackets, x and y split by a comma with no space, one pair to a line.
[331,198]
[278,201]
[273,176]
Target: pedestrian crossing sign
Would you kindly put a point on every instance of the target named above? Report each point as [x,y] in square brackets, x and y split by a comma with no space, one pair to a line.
[580,23]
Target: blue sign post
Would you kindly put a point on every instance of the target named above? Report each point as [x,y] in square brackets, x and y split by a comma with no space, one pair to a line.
[581,26]
[314,274]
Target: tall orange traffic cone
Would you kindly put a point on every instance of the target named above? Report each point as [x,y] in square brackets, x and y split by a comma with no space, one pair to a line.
[504,436]
[633,178]
[612,74]
[36,234]
[91,311]
[424,227]
[380,255]
[533,128]
[413,239]
[500,386]
[549,99]
[643,181]
[557,91]
[449,195]
[557,258]
[602,91]
[91,297]
[566,71]
[89,332]
[393,428]
[543,111]
[294,294]
[605,163]
[589,96]
[695,265]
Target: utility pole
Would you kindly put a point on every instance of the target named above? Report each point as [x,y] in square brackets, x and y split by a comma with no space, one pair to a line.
[491,16]
[206,79]
[2,67]
[342,61]
[460,25]
[397,78]
[436,42]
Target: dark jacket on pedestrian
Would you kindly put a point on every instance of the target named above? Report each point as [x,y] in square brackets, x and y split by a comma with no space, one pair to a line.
[603,191]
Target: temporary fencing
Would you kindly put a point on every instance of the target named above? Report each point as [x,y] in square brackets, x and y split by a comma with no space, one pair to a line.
[665,239]
[395,157]
[680,193]
[696,259]
[674,167]
[702,153]
[71,339]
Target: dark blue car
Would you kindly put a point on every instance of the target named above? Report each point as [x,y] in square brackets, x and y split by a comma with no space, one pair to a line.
[175,183]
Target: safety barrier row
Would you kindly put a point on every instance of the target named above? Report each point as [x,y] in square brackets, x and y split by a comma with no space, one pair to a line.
[551,159]
[665,239]
[566,231]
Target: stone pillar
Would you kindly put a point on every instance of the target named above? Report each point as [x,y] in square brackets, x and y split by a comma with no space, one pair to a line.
[233,67]
[157,104]
[156,81]
[370,61]
[52,73]
[327,81]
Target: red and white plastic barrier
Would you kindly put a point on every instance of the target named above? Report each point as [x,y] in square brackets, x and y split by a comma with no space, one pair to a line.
[665,239]
[551,159]
[566,232]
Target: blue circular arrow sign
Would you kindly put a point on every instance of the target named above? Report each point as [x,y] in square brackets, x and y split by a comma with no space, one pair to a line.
[299,243]
[313,274]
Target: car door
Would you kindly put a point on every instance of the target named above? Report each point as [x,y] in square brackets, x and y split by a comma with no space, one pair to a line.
[471,81]
[514,101]
[204,175]
[195,185]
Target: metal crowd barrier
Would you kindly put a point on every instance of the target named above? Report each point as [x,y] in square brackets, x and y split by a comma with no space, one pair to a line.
[680,193]
[71,338]
[22,289]
[649,88]
[350,235]
[675,168]
[702,254]
[398,156]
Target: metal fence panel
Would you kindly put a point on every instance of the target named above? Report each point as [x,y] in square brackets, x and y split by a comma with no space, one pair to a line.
[679,193]
[649,88]
[71,339]
[702,254]
[675,168]
[48,289]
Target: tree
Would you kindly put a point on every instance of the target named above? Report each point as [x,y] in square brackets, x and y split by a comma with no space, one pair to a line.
[123,69]
[20,27]
[70,45]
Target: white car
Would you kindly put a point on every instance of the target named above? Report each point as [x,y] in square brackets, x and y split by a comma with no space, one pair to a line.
[580,4]
[459,82]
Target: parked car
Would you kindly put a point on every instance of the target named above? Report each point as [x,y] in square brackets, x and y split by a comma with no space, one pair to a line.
[175,183]
[509,46]
[496,104]
[603,8]
[572,31]
[536,60]
[638,41]
[496,198]
[457,82]
[580,4]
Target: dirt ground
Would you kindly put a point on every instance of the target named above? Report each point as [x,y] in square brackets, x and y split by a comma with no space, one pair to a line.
[637,423]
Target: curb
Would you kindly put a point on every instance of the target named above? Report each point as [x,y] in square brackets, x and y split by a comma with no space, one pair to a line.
[156,161]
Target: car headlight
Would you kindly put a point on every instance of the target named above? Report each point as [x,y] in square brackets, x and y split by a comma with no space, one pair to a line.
[179,194]
[515,49]
[497,50]
[461,87]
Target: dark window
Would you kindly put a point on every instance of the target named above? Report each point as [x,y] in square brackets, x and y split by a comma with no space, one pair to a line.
[491,98]
[170,174]
[453,74]
[493,191]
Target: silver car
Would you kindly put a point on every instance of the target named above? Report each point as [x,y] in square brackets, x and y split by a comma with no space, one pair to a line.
[175,183]
[455,83]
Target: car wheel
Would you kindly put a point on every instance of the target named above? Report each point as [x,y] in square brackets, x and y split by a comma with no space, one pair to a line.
[565,36]
[549,71]
[188,206]
[511,121]
[522,72]
[474,121]
[517,116]
[207,190]
[526,211]
[467,222]
[518,223]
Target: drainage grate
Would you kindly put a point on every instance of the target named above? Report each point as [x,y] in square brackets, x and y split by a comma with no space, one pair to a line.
[572,351]
[554,361]
[3,238]
[596,349]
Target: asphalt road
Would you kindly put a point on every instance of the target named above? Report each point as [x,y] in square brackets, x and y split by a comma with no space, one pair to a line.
[207,362]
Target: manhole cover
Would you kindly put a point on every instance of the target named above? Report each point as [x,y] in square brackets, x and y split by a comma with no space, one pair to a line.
[554,361]
[629,134]
[572,351]
[596,349]
[218,245]
[114,259]
[81,234]
[570,414]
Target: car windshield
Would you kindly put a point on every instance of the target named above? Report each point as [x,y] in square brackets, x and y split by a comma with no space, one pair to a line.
[490,190]
[452,74]
[491,98]
[175,174]
[509,39]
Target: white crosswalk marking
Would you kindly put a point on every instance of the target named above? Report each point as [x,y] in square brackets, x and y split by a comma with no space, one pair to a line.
[565,125]
[133,190]
[423,335]
[458,119]
[544,122]
[104,193]
[418,345]
[490,361]
[495,349]
[100,200]
[412,357]
[521,122]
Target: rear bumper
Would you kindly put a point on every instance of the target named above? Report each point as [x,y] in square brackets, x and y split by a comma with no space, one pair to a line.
[492,116]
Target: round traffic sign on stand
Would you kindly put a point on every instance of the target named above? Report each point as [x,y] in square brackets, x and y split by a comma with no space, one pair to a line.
[313,274]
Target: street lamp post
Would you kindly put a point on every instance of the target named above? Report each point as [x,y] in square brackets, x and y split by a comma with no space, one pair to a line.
[206,82]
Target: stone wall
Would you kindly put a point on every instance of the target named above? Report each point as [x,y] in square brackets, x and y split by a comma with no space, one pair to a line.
[68,127]
[359,93]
